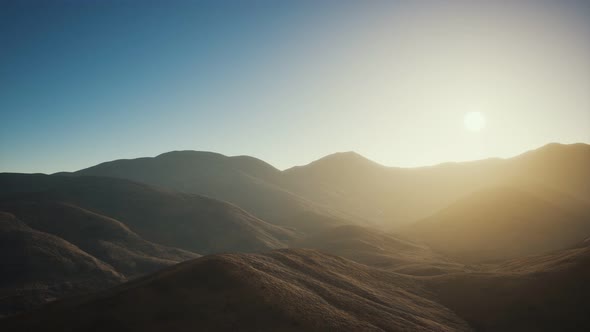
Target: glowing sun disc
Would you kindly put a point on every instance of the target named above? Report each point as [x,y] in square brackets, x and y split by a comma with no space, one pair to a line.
[474,121]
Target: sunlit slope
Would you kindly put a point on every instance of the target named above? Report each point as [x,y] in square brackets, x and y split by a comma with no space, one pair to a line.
[392,196]
[505,222]
[287,290]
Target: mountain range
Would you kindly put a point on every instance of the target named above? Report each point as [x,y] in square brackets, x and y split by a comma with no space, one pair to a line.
[198,239]
[350,187]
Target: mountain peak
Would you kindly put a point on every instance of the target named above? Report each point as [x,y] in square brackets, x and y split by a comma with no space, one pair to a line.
[189,153]
[339,161]
[345,155]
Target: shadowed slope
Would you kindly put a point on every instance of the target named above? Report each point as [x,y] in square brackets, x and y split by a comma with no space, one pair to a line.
[506,222]
[378,249]
[191,222]
[287,290]
[38,267]
[102,237]
[539,293]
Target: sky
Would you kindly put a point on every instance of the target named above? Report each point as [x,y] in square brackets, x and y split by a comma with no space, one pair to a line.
[87,81]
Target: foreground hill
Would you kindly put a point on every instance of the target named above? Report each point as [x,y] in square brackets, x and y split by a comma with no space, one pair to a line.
[38,267]
[287,290]
[247,182]
[506,222]
[305,290]
[190,222]
[379,249]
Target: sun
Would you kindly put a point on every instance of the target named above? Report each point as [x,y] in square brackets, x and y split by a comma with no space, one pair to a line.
[474,121]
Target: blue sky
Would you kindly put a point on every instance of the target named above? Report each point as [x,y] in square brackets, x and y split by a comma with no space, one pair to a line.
[83,82]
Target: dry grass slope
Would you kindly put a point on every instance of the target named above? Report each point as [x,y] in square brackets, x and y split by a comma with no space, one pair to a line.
[286,290]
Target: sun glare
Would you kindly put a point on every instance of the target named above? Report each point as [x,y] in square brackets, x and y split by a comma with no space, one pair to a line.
[474,121]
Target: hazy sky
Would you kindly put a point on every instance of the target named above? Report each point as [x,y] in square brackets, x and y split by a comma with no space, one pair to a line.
[83,82]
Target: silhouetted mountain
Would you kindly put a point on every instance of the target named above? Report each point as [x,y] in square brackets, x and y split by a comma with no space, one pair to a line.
[287,290]
[337,165]
[346,187]
[38,267]
[506,222]
[378,249]
[245,181]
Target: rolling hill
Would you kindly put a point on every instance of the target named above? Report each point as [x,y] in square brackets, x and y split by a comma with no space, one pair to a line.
[505,222]
[38,267]
[286,290]
[104,238]
[306,290]
[69,235]
[381,250]
[186,221]
[539,293]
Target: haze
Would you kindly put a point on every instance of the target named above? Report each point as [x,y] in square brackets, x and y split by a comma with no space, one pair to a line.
[289,82]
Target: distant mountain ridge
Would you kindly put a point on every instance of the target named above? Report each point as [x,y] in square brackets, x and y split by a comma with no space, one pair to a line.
[347,187]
